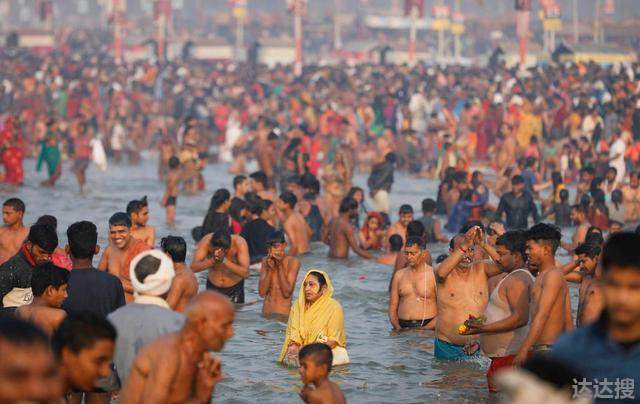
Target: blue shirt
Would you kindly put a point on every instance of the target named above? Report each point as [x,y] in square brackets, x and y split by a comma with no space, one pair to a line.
[596,356]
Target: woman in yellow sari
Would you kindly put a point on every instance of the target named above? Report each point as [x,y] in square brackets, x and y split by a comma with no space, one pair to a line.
[315,317]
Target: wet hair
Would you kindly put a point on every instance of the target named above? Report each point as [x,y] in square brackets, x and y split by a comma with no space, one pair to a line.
[238,179]
[514,241]
[120,219]
[517,179]
[275,237]
[546,233]
[175,247]
[588,249]
[220,239]
[395,242]
[621,250]
[80,331]
[260,177]
[236,208]
[44,236]
[256,206]
[319,353]
[321,279]
[428,205]
[348,204]
[355,190]
[415,228]
[48,220]
[219,197]
[405,209]
[82,238]
[174,162]
[137,205]
[148,265]
[441,258]
[47,274]
[417,241]
[21,333]
[16,204]
[309,181]
[564,195]
[289,198]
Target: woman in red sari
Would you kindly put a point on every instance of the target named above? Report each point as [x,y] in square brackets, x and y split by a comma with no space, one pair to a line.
[11,152]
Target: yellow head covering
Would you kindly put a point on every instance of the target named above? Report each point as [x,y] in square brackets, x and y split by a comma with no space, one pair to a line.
[323,319]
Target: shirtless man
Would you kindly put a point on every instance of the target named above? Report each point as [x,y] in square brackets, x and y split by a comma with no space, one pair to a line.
[227,259]
[579,217]
[121,250]
[550,305]
[339,235]
[590,301]
[298,231]
[185,285]
[462,291]
[405,216]
[412,300]
[177,367]
[49,286]
[259,183]
[13,233]
[266,154]
[395,247]
[315,365]
[138,211]
[170,197]
[507,314]
[278,276]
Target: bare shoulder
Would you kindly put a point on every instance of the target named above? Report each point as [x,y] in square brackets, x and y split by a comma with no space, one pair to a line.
[204,241]
[238,240]
[553,278]
[338,395]
[520,277]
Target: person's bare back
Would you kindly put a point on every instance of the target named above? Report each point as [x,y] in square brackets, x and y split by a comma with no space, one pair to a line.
[11,239]
[47,318]
[183,288]
[298,232]
[326,392]
[339,235]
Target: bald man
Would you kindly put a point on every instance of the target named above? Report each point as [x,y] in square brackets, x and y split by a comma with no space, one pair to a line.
[178,368]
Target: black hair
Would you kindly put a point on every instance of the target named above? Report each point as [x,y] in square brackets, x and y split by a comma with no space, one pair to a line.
[545,232]
[256,206]
[415,228]
[79,331]
[236,208]
[43,236]
[348,204]
[21,333]
[137,205]
[470,224]
[321,279]
[260,177]
[47,274]
[238,179]
[580,208]
[174,162]
[621,250]
[460,176]
[120,219]
[441,258]
[82,238]
[395,242]
[417,241]
[16,204]
[148,265]
[517,179]
[405,209]
[390,158]
[428,205]
[219,197]
[564,195]
[588,249]
[289,198]
[275,237]
[354,190]
[318,352]
[175,247]
[220,239]
[48,220]
[514,241]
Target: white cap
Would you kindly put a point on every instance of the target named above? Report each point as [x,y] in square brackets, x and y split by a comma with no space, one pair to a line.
[158,283]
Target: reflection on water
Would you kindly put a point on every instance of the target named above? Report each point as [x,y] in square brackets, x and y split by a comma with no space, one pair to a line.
[385,367]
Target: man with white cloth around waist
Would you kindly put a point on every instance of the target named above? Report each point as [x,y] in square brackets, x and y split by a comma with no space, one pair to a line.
[148,316]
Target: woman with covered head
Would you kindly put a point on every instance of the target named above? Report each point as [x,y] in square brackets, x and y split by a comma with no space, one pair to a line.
[315,317]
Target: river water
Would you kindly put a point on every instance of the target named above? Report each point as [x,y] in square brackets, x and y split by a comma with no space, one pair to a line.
[385,367]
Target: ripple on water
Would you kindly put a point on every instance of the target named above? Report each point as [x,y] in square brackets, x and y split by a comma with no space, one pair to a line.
[386,368]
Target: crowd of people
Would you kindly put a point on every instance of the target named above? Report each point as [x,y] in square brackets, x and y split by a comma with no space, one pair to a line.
[510,149]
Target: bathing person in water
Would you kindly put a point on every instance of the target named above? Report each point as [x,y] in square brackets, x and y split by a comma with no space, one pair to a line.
[339,235]
[278,276]
[315,366]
